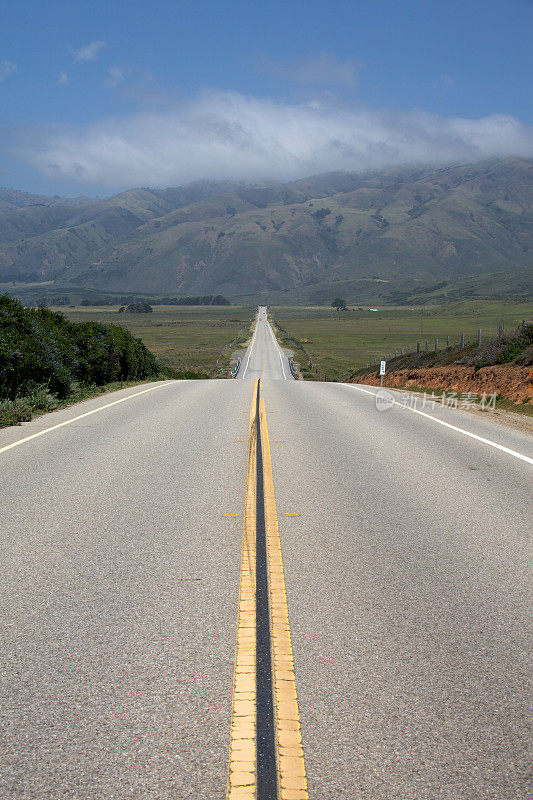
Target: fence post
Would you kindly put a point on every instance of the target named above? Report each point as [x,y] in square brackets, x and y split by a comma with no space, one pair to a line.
[436,344]
[447,341]
[427,346]
[418,347]
[462,341]
[479,337]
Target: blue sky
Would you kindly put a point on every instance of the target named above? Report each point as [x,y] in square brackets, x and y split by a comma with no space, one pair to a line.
[97,97]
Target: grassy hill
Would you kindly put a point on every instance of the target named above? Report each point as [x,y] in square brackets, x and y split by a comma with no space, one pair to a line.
[403,235]
[501,367]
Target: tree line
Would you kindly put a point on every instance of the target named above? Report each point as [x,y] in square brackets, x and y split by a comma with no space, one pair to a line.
[201,300]
[125,300]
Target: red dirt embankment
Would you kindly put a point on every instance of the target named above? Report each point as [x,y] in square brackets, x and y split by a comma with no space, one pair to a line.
[508,380]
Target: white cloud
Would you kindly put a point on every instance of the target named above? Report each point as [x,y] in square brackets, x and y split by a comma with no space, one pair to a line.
[115,76]
[7,68]
[321,70]
[62,79]
[444,83]
[227,135]
[90,52]
[137,85]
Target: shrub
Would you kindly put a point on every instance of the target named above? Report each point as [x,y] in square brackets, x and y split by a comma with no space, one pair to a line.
[42,348]
[40,399]
[13,412]
[321,213]
[518,348]
[139,308]
[526,358]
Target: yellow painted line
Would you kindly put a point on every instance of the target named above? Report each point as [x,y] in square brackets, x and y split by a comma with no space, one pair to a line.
[290,757]
[231,515]
[290,514]
[242,773]
[242,751]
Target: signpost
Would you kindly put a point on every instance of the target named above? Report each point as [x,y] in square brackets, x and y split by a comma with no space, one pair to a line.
[382,371]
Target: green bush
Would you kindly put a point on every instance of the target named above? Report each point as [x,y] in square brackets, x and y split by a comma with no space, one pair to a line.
[42,351]
[40,399]
[518,348]
[13,412]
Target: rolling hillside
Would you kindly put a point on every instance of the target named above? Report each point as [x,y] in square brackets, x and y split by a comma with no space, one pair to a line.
[404,233]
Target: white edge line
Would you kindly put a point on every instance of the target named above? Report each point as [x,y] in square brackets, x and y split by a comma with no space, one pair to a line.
[279,349]
[251,348]
[81,416]
[448,425]
[249,354]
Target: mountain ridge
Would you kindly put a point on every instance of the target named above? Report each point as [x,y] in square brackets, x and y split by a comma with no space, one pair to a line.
[402,226]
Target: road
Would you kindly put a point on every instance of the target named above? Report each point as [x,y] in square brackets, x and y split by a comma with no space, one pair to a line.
[406,547]
[264,358]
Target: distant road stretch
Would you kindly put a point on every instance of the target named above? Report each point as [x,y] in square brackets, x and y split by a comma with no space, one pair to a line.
[383,639]
[264,358]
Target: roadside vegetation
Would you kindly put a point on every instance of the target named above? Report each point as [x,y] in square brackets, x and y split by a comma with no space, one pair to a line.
[47,360]
[515,347]
[332,345]
[183,338]
[500,367]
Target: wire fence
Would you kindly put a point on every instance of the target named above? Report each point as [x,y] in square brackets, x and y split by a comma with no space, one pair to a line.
[434,345]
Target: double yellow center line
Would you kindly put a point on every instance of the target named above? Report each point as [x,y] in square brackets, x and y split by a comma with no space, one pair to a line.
[266,756]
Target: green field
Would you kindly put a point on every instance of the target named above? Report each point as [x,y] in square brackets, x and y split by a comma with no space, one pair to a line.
[338,343]
[181,337]
[192,337]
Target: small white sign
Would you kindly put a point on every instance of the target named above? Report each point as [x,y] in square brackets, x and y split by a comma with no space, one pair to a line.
[382,367]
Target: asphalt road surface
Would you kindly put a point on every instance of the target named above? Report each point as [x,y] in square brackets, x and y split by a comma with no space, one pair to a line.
[407,571]
[264,357]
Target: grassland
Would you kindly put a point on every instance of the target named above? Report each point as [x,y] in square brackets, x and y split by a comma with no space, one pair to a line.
[192,337]
[181,337]
[338,343]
